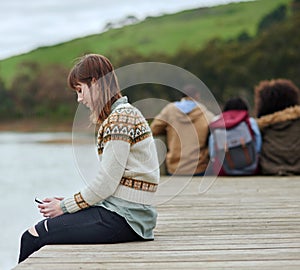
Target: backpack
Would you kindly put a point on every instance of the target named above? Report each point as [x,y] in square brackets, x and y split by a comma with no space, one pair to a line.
[234,144]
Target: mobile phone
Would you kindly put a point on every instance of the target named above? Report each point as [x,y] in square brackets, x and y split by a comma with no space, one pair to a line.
[37,200]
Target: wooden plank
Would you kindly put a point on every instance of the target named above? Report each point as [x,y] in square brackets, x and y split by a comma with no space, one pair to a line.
[167,245]
[171,256]
[266,265]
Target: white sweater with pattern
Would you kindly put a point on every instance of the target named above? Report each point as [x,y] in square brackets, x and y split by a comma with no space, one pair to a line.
[127,151]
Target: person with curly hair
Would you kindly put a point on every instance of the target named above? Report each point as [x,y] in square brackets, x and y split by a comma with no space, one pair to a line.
[277,105]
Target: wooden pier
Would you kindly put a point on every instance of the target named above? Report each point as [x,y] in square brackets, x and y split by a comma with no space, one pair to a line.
[239,223]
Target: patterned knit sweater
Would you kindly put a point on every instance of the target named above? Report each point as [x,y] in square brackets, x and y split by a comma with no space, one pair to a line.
[129,167]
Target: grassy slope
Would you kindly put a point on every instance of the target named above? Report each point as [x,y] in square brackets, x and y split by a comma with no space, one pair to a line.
[164,34]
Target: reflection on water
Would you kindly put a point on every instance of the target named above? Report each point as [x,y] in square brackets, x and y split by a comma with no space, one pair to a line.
[31,164]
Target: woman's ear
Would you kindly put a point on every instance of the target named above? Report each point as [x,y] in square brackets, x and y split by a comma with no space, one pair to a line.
[94,80]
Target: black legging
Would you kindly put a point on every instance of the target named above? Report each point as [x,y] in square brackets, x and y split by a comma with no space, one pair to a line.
[94,225]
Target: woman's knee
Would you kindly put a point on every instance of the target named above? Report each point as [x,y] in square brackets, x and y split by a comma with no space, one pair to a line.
[29,244]
[29,237]
[33,231]
[33,239]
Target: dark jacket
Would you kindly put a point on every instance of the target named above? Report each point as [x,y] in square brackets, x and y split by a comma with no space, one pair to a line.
[280,154]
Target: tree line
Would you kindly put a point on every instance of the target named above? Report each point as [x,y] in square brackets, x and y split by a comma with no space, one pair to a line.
[228,68]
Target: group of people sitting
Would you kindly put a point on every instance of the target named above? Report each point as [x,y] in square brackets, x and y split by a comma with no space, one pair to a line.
[234,143]
[117,205]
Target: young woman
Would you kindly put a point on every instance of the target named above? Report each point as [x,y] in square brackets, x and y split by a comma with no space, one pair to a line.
[116,206]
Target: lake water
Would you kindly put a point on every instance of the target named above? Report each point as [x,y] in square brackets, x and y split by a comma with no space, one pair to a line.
[30,166]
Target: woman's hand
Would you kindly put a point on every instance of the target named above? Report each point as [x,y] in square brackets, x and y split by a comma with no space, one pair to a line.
[50,207]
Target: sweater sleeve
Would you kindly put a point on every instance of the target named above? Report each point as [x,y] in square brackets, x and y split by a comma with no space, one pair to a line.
[257,134]
[112,167]
[160,122]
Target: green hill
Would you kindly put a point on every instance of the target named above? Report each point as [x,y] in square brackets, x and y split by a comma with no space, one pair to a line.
[190,29]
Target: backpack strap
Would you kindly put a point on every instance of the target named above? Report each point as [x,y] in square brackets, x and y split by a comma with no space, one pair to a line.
[246,151]
[247,120]
[228,158]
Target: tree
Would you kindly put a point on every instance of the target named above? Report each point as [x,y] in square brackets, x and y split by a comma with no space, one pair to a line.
[6,104]
[52,97]
[24,88]
[40,91]
[277,15]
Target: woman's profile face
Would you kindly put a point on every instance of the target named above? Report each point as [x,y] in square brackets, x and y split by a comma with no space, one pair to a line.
[84,95]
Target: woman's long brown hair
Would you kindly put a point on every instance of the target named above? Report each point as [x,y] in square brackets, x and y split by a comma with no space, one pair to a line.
[97,67]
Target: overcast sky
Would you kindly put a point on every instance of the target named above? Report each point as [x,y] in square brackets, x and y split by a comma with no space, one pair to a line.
[28,24]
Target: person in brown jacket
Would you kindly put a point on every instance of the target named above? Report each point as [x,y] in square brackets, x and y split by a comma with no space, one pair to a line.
[186,126]
[278,110]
